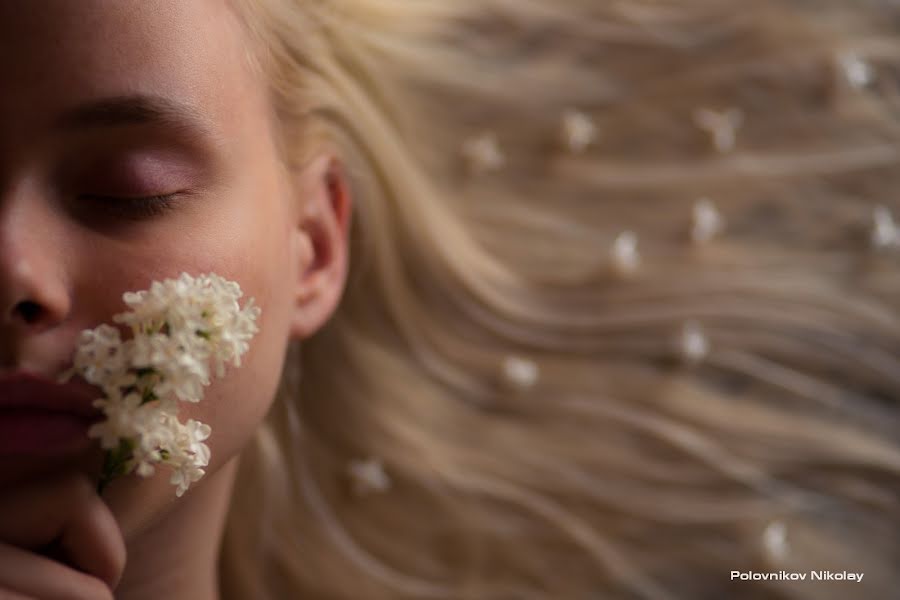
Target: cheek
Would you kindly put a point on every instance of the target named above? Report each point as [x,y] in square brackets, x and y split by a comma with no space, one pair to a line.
[234,405]
[229,236]
[241,243]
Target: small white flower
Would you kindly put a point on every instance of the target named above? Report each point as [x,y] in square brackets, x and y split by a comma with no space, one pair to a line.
[123,420]
[624,255]
[368,476]
[578,130]
[190,438]
[774,539]
[483,153]
[519,372]
[885,232]
[856,72]
[186,453]
[99,356]
[721,126]
[707,222]
[693,345]
[184,474]
[182,365]
[154,443]
[231,339]
[178,326]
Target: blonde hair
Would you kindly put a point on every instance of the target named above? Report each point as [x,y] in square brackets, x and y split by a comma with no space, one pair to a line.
[620,467]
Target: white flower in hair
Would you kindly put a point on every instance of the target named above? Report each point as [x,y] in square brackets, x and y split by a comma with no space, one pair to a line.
[857,72]
[624,255]
[368,476]
[578,130]
[707,222]
[885,232]
[693,345]
[519,372]
[178,326]
[721,126]
[774,540]
[483,153]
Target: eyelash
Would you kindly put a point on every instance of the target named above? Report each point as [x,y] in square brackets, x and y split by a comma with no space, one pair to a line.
[136,208]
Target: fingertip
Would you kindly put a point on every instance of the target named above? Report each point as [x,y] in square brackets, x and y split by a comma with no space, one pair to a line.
[116,554]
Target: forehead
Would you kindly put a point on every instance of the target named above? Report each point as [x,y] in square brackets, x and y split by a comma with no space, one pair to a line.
[58,54]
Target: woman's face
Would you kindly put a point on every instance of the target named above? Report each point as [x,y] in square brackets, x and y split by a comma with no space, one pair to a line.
[129,99]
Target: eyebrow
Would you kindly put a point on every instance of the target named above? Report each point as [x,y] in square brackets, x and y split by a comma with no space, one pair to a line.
[139,109]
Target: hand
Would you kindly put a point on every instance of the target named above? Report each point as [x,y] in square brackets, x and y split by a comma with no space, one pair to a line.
[58,541]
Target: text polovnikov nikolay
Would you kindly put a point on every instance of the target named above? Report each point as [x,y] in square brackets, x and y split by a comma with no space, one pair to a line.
[797,576]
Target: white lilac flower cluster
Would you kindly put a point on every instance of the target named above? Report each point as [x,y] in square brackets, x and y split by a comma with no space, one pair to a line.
[178,326]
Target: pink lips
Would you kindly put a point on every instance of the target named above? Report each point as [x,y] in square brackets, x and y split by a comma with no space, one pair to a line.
[41,417]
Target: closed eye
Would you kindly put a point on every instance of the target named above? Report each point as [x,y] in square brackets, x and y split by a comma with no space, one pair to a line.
[134,208]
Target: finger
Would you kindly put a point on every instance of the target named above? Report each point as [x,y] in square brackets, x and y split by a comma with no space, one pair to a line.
[23,572]
[65,511]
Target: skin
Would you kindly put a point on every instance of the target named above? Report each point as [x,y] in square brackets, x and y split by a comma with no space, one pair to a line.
[281,234]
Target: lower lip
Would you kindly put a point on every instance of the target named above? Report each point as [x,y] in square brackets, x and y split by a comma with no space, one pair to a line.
[41,433]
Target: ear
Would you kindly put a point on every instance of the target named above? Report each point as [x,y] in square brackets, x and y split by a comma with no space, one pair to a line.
[322,195]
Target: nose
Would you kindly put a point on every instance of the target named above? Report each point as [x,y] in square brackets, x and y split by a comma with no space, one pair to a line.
[33,295]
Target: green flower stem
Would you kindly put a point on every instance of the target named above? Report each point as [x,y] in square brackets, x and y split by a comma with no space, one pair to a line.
[142,371]
[115,463]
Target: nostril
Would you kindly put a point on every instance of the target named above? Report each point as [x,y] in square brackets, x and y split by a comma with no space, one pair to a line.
[30,311]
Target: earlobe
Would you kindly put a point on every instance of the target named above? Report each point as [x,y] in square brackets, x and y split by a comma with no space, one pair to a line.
[322,235]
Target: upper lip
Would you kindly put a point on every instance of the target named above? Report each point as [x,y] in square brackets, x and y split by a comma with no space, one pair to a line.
[22,390]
